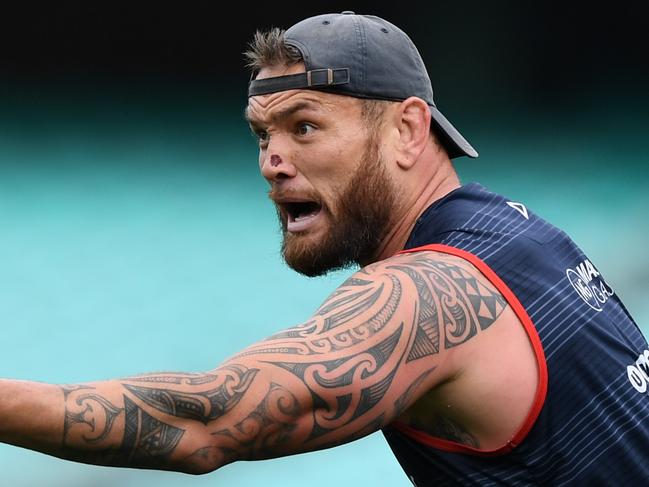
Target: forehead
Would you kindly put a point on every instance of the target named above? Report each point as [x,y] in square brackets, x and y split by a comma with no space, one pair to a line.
[280,70]
[266,108]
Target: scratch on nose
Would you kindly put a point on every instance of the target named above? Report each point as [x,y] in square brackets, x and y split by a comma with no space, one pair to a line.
[275,160]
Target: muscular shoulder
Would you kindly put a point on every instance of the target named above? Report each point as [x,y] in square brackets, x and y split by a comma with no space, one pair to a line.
[447,288]
[465,326]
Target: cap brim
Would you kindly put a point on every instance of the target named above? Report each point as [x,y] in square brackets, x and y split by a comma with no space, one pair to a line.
[450,138]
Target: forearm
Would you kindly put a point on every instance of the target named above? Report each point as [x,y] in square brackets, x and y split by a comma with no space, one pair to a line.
[95,423]
[31,415]
[186,422]
[245,409]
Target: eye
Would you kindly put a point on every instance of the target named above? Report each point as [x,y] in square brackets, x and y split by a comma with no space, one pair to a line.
[261,136]
[305,128]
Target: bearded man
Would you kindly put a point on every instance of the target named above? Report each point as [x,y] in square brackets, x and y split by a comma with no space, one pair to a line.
[478,337]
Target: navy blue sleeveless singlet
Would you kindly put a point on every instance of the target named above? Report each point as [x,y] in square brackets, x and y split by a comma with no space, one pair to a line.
[589,424]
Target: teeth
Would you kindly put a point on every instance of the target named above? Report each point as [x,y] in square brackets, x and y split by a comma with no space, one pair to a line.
[304,217]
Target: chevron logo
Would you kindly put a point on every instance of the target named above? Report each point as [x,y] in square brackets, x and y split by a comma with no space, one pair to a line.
[519,207]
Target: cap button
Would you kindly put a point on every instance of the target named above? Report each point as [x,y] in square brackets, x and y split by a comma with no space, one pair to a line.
[347,12]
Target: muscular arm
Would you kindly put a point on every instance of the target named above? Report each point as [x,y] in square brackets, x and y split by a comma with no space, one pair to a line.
[373,347]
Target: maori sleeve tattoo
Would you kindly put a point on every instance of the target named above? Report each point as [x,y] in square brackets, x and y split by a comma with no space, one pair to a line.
[361,360]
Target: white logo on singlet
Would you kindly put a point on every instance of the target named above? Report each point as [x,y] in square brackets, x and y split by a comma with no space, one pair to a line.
[519,207]
[589,285]
[638,372]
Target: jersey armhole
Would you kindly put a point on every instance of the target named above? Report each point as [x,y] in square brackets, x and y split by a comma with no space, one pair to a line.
[530,329]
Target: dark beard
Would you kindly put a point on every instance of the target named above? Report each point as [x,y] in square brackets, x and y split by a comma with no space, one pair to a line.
[364,210]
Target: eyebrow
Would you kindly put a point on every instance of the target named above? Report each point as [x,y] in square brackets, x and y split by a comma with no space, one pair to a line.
[283,113]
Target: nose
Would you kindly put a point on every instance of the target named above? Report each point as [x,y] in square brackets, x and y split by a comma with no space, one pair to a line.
[274,167]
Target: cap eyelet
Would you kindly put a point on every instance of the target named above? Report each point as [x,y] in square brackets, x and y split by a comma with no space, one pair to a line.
[325,22]
[384,30]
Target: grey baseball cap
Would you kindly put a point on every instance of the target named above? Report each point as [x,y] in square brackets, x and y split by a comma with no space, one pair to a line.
[363,56]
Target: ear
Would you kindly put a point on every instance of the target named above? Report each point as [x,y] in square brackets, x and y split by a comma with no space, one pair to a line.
[413,121]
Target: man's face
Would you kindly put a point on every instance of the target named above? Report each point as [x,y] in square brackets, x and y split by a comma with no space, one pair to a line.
[328,181]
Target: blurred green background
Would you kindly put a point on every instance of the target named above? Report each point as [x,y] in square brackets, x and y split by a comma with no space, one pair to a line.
[136,234]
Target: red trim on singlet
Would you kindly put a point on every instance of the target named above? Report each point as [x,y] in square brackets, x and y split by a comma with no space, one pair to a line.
[541,390]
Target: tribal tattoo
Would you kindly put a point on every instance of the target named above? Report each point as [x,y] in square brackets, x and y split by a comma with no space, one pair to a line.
[86,408]
[362,360]
[203,406]
[147,440]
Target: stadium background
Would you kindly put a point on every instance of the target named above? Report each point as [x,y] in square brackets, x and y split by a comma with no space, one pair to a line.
[136,234]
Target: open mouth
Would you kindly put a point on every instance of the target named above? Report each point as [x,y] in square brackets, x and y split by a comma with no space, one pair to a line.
[301,214]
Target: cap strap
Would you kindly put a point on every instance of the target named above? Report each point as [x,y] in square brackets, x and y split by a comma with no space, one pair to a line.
[315,78]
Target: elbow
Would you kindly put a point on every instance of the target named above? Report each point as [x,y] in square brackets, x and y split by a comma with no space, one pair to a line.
[194,467]
[197,469]
[201,462]
[201,456]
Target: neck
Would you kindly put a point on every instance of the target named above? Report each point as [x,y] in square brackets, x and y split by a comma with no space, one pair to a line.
[438,185]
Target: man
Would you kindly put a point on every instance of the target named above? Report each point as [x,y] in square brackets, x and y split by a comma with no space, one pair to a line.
[482,342]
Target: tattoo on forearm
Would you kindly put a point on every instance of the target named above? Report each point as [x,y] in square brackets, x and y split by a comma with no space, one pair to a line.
[96,414]
[204,406]
[143,441]
[147,441]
